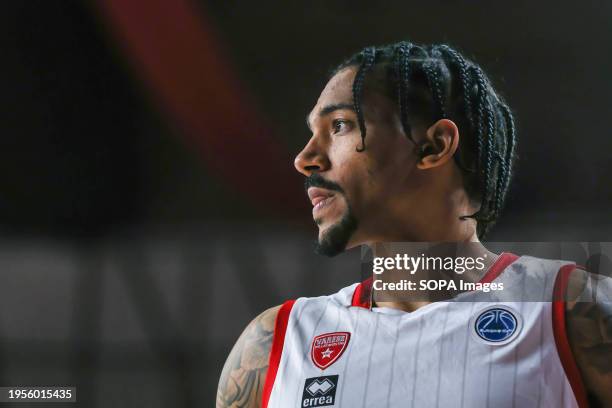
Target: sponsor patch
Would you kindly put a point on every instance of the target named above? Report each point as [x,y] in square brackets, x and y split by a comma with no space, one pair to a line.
[327,348]
[497,325]
[320,391]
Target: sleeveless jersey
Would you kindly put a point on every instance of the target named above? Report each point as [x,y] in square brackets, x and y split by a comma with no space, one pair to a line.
[483,351]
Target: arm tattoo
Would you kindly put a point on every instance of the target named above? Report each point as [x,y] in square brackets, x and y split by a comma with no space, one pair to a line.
[589,326]
[244,373]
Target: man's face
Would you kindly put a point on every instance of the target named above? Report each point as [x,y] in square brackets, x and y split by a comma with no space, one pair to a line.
[355,195]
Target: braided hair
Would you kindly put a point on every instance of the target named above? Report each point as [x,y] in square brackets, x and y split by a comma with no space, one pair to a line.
[435,82]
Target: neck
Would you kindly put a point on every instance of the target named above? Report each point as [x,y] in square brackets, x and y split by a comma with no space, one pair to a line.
[407,219]
[410,265]
[437,222]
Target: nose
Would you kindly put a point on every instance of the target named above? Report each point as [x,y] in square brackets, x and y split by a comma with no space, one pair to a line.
[312,158]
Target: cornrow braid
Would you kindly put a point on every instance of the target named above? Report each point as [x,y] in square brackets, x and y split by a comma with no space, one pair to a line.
[500,186]
[402,53]
[434,82]
[432,71]
[486,126]
[511,136]
[456,59]
[369,58]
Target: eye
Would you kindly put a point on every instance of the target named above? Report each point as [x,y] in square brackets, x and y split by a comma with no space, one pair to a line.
[339,125]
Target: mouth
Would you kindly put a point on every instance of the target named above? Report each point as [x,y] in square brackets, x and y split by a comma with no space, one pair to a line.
[319,198]
[322,204]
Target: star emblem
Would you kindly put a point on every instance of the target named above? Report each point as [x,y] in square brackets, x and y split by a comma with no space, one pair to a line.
[327,353]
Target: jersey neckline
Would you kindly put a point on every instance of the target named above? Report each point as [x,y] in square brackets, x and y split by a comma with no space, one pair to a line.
[363,290]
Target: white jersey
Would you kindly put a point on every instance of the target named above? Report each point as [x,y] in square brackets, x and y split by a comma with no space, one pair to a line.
[484,352]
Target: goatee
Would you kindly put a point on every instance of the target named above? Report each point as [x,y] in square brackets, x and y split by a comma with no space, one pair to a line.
[335,239]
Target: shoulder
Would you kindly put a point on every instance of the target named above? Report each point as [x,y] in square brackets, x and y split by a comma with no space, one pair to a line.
[584,286]
[589,329]
[244,372]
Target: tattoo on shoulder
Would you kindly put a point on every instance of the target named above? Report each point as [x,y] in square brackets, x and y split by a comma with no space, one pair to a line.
[589,324]
[244,373]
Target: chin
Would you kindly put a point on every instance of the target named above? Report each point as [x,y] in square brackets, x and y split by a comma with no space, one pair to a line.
[336,238]
[324,228]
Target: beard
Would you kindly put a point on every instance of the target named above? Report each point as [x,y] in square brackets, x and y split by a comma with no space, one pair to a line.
[334,240]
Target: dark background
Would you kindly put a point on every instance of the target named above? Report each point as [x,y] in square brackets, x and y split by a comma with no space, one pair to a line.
[145,221]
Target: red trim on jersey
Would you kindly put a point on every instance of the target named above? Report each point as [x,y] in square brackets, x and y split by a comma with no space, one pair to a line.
[278,339]
[560,333]
[361,296]
[502,262]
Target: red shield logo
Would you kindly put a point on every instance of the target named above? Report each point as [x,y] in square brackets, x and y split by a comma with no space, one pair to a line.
[327,348]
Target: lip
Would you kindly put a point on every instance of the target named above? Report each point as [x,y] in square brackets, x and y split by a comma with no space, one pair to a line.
[318,195]
[321,204]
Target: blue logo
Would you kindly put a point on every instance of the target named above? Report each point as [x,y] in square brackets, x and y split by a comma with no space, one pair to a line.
[497,325]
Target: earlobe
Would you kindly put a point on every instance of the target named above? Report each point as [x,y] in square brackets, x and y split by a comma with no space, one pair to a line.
[440,144]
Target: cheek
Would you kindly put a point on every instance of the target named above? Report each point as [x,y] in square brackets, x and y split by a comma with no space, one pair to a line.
[368,188]
[350,170]
[390,166]
[372,177]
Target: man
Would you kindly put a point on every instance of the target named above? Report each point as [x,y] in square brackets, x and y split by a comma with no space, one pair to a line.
[412,143]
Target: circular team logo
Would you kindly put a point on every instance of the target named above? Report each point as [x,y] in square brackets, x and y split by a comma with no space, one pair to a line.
[497,325]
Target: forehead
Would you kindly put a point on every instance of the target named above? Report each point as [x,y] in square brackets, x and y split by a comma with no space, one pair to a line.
[337,91]
[339,88]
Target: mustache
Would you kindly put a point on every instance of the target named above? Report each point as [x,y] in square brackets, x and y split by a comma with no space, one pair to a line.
[315,180]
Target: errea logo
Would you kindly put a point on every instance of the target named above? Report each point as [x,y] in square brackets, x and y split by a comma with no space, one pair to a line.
[319,391]
[318,387]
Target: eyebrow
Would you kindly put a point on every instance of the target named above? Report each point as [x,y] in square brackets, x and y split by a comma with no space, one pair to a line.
[326,110]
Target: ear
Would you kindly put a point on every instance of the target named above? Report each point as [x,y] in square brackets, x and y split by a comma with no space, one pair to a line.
[440,144]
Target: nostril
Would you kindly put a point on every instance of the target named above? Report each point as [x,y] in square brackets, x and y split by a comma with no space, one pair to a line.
[311,168]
